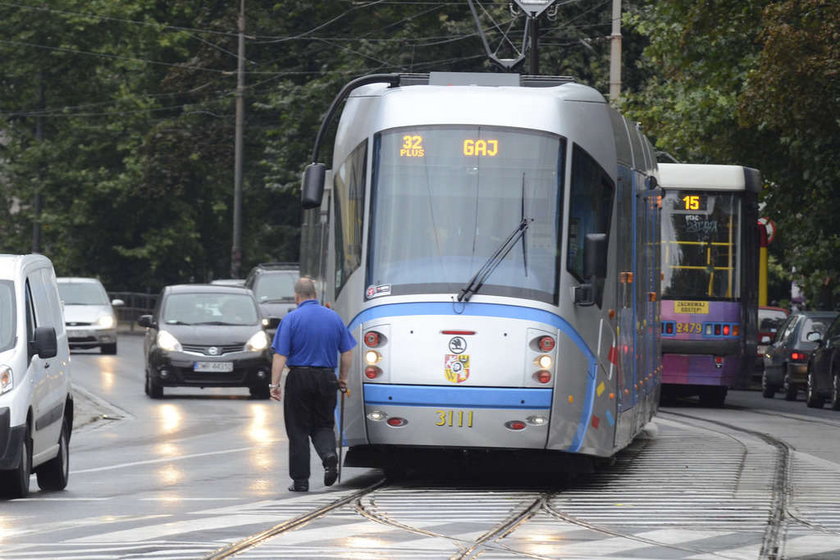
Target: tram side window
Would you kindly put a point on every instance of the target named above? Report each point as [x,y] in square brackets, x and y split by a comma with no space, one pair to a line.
[590,208]
[349,214]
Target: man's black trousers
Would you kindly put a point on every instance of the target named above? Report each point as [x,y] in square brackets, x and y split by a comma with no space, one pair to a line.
[308,410]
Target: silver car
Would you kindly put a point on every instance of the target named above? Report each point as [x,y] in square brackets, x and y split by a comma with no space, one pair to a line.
[88,314]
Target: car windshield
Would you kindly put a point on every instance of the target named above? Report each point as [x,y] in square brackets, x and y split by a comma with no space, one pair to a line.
[82,293]
[275,286]
[770,320]
[209,309]
[7,315]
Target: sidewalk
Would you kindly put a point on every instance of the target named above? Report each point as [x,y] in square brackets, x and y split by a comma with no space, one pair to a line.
[89,409]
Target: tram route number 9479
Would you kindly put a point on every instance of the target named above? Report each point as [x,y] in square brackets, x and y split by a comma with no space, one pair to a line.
[454,418]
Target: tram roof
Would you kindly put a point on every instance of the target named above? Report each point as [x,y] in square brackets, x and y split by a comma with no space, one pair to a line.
[712,177]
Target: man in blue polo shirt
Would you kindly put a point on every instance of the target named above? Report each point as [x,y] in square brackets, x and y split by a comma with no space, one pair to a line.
[310,340]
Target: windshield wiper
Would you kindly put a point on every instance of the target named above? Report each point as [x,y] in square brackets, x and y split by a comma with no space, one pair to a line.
[477,281]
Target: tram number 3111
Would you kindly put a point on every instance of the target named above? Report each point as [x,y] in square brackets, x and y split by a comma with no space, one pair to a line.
[454,418]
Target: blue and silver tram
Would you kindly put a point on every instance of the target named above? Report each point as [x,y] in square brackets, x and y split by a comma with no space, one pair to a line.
[492,242]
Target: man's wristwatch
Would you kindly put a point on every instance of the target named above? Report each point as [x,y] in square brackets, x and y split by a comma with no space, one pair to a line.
[272,386]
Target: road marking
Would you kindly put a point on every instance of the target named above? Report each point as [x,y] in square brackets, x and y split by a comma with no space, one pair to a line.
[164,460]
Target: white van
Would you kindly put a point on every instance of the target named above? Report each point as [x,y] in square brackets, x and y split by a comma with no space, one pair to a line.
[36,403]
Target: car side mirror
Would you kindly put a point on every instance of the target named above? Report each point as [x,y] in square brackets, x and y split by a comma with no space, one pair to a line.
[145,321]
[44,344]
[814,336]
[117,302]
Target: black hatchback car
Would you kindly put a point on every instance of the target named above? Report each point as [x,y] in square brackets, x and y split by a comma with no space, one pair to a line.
[786,359]
[206,336]
[824,368]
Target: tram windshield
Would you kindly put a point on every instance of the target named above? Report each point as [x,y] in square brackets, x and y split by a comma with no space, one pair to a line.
[701,245]
[446,197]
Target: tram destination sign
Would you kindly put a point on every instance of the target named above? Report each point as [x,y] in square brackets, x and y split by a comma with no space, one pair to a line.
[694,307]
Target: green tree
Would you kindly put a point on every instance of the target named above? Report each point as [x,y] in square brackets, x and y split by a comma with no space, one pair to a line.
[753,82]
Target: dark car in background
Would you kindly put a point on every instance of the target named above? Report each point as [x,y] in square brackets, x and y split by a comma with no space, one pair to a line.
[786,359]
[273,285]
[769,321]
[203,335]
[824,368]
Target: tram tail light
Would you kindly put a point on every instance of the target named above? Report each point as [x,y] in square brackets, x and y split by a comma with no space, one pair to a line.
[372,339]
[396,422]
[735,330]
[546,344]
[726,330]
[372,357]
[543,376]
[372,372]
[515,425]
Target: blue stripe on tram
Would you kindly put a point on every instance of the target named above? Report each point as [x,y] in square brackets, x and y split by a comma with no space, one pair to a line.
[456,397]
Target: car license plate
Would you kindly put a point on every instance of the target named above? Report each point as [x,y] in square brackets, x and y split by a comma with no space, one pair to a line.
[454,418]
[219,367]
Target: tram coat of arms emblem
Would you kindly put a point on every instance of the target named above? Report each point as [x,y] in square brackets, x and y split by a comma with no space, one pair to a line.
[456,367]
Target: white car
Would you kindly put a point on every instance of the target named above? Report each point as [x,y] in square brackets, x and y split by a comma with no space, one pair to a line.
[88,315]
[36,401]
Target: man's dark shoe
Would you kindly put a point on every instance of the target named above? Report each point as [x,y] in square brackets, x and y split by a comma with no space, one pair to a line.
[330,470]
[299,487]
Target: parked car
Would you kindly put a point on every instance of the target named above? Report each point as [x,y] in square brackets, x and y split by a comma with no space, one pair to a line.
[824,368]
[786,359]
[88,314]
[203,335]
[769,321]
[274,286]
[36,401]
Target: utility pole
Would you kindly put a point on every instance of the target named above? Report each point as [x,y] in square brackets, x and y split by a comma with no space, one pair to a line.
[236,250]
[615,52]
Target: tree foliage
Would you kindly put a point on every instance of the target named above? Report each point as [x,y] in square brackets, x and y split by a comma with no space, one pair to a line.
[118,116]
[754,82]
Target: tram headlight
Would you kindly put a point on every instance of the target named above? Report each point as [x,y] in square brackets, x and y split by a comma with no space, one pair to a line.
[376,415]
[537,420]
[372,357]
[545,361]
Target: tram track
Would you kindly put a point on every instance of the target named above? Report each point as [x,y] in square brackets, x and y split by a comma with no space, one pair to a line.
[773,536]
[617,503]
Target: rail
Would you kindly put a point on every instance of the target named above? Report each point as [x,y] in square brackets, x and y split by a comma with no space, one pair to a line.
[136,304]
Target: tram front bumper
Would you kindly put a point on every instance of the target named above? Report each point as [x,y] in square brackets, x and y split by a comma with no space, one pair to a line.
[495,417]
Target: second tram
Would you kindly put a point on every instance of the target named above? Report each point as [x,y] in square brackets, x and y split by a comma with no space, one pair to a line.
[709,279]
[492,242]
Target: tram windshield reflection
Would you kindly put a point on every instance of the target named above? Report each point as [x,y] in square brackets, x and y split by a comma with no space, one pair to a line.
[445,197]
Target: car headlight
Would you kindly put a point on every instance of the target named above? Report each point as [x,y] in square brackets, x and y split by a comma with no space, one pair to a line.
[7,380]
[106,321]
[167,341]
[258,342]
